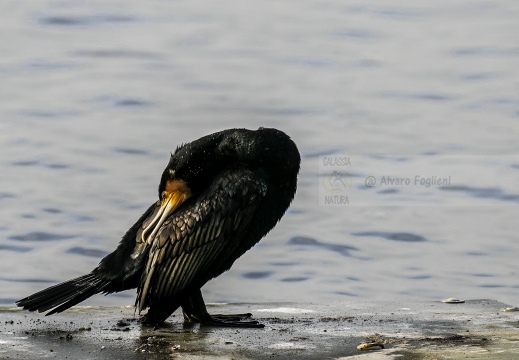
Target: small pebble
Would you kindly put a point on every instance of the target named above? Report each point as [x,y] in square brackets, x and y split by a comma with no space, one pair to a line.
[453,301]
[369,346]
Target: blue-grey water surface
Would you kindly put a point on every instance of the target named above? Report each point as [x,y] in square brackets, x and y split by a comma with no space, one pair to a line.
[94,96]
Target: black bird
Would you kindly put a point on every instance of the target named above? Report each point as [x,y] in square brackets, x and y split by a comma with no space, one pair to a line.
[218,196]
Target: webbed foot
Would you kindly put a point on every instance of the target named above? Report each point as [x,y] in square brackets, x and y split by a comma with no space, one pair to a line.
[195,311]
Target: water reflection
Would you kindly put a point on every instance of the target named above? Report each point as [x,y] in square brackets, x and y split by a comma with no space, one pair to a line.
[40,236]
[257,274]
[21,249]
[96,253]
[395,236]
[344,250]
[295,279]
[481,192]
[86,20]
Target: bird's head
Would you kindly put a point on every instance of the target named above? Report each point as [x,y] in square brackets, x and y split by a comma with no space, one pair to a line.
[193,166]
[190,168]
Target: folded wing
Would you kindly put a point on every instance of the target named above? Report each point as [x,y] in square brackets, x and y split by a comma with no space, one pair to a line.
[196,240]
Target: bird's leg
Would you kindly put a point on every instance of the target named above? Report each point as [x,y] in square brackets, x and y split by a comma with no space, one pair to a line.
[194,310]
[159,312]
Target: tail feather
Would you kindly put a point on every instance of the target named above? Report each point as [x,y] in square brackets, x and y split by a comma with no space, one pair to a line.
[54,295]
[62,296]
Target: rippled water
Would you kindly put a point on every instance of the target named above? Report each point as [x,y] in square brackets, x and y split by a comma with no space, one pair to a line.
[95,95]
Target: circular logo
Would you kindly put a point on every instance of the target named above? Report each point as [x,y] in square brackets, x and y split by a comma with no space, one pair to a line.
[336,182]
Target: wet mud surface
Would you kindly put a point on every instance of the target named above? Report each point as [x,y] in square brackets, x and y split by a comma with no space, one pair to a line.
[478,329]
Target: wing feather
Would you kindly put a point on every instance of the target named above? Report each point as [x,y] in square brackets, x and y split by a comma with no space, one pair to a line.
[199,235]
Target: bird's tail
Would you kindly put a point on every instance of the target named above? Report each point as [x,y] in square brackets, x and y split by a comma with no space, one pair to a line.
[62,296]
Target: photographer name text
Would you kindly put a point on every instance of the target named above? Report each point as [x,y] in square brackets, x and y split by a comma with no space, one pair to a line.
[417,180]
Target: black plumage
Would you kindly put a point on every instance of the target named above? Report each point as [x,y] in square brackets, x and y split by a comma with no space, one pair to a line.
[218,196]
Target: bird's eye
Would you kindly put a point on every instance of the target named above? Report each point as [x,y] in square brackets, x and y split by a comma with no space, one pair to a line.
[164,195]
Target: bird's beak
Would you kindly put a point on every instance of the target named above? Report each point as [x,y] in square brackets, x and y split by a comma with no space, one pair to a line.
[171,200]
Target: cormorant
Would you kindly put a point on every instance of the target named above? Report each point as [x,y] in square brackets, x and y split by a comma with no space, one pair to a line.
[218,196]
